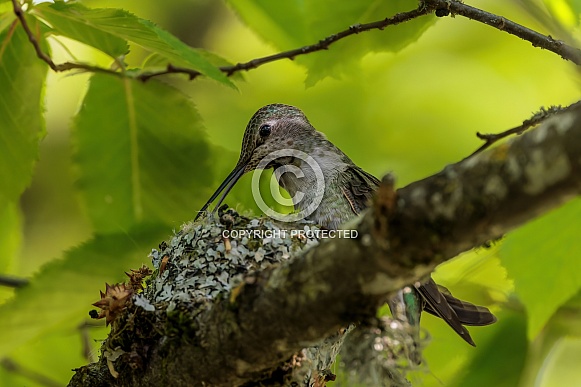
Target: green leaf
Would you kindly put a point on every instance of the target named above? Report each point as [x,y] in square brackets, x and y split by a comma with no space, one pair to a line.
[344,56]
[477,276]
[344,14]
[499,361]
[567,12]
[93,27]
[543,258]
[172,48]
[10,241]
[54,355]
[22,77]
[293,24]
[281,23]
[7,16]
[63,291]
[561,364]
[109,30]
[157,60]
[574,4]
[10,236]
[141,153]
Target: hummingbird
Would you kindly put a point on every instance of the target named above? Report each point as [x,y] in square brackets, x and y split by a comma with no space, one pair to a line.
[348,190]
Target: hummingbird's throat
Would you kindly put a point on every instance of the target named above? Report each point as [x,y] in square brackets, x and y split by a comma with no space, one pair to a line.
[300,182]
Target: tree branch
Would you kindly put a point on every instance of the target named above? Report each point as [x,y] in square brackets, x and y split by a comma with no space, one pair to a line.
[441,7]
[12,282]
[401,239]
[321,45]
[536,119]
[501,23]
[67,66]
[42,380]
[537,40]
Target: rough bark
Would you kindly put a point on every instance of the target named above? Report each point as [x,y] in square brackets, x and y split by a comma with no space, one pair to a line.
[401,238]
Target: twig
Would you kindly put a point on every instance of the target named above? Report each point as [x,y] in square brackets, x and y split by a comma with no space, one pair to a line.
[441,8]
[47,59]
[566,52]
[537,118]
[322,44]
[86,341]
[12,282]
[11,366]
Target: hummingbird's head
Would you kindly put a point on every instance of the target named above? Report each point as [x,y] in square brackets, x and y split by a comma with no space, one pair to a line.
[272,128]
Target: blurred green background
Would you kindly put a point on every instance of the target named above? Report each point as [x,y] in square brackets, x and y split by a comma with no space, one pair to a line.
[411,112]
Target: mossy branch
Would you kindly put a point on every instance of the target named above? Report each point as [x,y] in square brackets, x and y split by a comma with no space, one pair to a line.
[248,333]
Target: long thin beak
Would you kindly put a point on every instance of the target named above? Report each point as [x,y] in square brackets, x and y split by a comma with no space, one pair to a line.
[226,186]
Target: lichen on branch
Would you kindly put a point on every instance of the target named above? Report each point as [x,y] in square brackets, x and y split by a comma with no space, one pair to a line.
[256,330]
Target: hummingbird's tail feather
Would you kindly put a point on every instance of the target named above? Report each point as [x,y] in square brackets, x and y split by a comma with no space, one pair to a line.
[437,304]
[468,313]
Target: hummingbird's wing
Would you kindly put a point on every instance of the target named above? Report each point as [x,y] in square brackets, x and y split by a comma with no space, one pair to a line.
[468,313]
[358,187]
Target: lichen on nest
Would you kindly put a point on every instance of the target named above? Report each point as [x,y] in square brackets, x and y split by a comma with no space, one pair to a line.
[211,256]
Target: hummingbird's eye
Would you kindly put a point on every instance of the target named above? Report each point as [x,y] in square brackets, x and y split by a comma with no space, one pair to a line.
[264,130]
